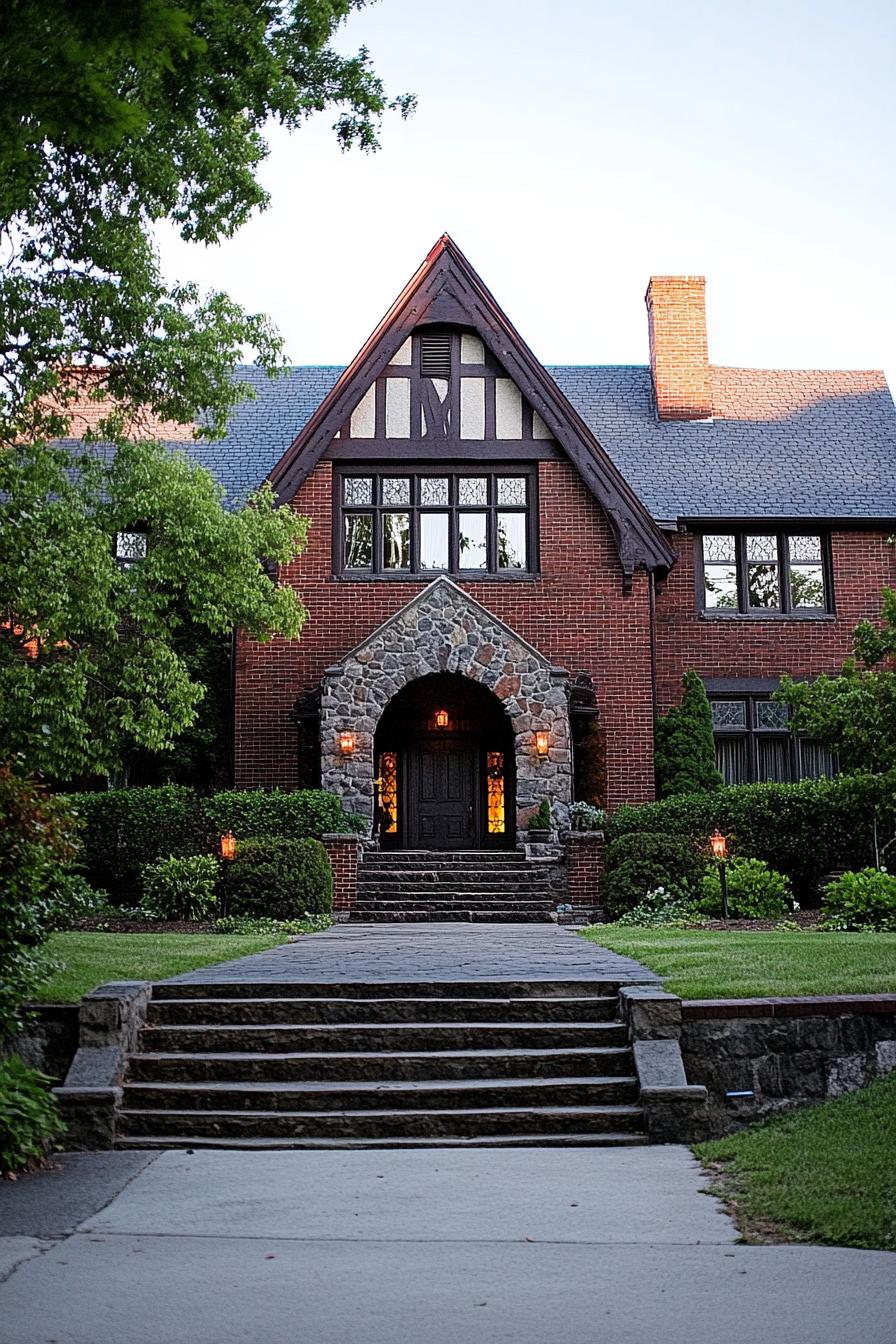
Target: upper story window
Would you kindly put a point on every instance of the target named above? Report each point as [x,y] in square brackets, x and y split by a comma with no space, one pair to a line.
[456,521]
[764,573]
[130,547]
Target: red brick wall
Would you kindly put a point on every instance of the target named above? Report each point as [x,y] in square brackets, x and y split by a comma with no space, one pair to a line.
[342,851]
[575,614]
[752,646]
[584,868]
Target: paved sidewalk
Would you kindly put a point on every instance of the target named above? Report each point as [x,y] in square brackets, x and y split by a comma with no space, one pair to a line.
[430,951]
[531,1246]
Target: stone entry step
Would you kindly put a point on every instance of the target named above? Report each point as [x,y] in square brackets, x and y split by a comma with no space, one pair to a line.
[607,1140]
[494,886]
[388,1065]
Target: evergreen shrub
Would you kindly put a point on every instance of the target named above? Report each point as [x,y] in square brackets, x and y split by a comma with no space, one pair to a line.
[279,879]
[685,749]
[640,862]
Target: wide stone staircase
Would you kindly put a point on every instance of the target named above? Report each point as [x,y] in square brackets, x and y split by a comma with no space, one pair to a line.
[237,1065]
[494,886]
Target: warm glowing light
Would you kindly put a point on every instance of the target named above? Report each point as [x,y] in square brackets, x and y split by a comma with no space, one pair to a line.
[541,743]
[346,743]
[719,845]
[495,781]
[227,845]
[441,718]
[388,786]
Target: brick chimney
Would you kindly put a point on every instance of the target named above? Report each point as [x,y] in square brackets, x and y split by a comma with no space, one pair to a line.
[679,359]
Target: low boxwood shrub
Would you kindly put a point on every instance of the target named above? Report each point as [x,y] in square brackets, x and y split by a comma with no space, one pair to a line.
[804,830]
[279,879]
[862,900]
[181,888]
[641,862]
[755,891]
[29,1116]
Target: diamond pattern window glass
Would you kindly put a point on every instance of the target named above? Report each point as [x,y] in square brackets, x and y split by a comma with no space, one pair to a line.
[130,547]
[425,522]
[769,714]
[433,489]
[765,573]
[729,714]
[512,490]
[472,490]
[357,490]
[396,490]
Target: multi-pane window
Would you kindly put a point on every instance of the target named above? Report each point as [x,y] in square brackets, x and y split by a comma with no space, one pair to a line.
[130,547]
[443,520]
[757,573]
[754,743]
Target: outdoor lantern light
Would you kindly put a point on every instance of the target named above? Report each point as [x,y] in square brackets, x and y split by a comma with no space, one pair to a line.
[346,743]
[227,845]
[718,843]
[441,718]
[542,739]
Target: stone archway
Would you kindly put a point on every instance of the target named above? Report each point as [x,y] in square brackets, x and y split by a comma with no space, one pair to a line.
[443,629]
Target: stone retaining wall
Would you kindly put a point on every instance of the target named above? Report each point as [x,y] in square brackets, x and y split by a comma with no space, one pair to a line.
[784,1053]
[49,1038]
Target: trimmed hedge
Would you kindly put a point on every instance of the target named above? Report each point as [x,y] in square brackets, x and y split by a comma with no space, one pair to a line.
[124,830]
[279,879]
[804,830]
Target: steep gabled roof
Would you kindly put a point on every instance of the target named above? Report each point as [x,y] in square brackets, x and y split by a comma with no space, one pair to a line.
[446,289]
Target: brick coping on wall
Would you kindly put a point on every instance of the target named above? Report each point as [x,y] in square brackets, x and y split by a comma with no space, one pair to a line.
[816,1005]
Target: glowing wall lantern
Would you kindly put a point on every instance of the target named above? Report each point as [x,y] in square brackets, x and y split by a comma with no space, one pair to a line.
[346,743]
[441,718]
[227,845]
[542,742]
[719,845]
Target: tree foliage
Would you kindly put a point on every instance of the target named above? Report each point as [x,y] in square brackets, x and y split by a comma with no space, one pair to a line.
[854,714]
[89,659]
[685,754]
[113,117]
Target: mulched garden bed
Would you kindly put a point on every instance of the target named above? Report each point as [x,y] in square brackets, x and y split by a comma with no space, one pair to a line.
[806,919]
[111,925]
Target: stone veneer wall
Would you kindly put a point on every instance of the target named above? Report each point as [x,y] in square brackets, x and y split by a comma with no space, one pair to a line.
[445,630]
[784,1052]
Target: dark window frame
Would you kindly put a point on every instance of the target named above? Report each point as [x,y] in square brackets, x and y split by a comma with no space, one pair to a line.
[415,472]
[785,608]
[752,732]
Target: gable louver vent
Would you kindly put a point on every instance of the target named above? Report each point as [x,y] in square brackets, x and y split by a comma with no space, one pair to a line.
[435,355]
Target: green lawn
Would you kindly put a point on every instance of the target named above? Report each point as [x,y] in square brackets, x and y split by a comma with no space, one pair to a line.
[701,964]
[825,1174]
[90,959]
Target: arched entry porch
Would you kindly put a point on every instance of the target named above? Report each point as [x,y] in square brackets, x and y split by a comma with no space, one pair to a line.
[444,755]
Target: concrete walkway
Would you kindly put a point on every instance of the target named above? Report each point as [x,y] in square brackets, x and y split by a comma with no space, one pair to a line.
[588,1246]
[411,952]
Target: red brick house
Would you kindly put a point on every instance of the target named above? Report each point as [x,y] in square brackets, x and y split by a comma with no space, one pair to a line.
[501,551]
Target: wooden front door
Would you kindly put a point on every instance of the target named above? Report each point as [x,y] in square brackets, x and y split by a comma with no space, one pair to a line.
[443,795]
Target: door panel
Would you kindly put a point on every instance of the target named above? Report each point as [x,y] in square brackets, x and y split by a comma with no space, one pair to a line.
[443,795]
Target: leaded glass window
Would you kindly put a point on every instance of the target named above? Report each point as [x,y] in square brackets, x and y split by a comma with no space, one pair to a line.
[754,743]
[130,547]
[495,792]
[445,521]
[765,573]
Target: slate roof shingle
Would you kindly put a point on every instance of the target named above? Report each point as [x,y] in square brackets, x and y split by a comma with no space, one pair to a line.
[782,443]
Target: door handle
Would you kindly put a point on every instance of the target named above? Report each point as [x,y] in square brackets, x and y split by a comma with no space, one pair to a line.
[469,817]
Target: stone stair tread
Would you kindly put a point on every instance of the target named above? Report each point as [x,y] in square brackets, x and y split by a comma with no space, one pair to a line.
[384,1086]
[537,1001]
[433,989]
[619,1110]
[462,1025]
[599,1139]
[246,1056]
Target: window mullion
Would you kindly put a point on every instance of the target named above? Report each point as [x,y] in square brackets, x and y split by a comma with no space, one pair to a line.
[784,570]
[743,593]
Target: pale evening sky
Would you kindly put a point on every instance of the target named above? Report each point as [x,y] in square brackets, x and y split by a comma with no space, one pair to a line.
[572,149]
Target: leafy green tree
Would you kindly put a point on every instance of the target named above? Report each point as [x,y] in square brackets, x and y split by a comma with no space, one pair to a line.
[684,750]
[115,116]
[91,660]
[854,714]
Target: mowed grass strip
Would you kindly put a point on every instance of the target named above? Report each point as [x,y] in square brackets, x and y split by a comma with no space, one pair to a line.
[86,960]
[826,1174]
[703,964]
